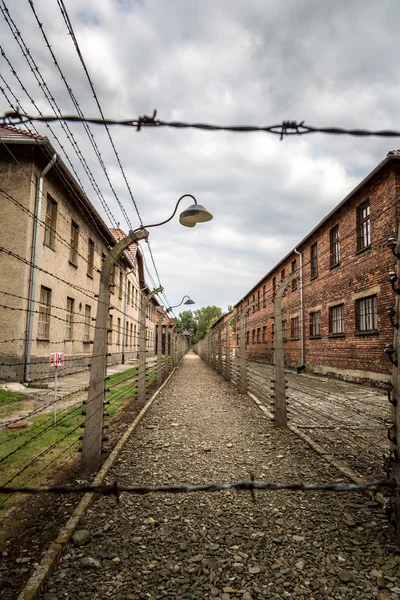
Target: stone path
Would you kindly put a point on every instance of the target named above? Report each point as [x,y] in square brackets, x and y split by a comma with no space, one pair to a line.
[222,545]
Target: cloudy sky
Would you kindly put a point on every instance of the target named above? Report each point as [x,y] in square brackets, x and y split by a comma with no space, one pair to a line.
[226,62]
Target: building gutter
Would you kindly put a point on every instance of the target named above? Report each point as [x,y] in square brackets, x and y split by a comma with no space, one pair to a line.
[301,307]
[32,275]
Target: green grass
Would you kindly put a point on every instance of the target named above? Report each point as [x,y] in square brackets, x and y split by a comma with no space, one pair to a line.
[64,436]
[8,397]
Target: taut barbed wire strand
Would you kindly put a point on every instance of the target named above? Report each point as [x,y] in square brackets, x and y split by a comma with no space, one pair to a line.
[115,489]
[285,128]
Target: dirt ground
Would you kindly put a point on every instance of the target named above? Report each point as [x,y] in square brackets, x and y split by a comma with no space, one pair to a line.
[223,545]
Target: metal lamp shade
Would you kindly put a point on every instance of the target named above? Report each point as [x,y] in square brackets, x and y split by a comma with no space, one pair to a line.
[190,301]
[194,214]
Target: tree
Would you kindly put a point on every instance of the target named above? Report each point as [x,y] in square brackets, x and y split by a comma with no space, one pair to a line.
[186,320]
[205,318]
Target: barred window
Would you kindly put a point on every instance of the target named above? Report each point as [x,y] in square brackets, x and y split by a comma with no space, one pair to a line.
[258,335]
[367,315]
[284,330]
[248,337]
[253,336]
[294,328]
[264,296]
[44,313]
[336,319]
[86,327]
[50,221]
[314,260]
[264,334]
[73,245]
[335,245]
[90,260]
[282,274]
[69,319]
[258,300]
[254,303]
[363,226]
[315,323]
[294,269]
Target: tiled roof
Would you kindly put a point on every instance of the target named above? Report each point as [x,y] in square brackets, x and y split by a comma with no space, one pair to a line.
[131,252]
[393,152]
[8,132]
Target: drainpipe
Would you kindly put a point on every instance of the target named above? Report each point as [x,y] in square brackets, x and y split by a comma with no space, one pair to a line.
[32,275]
[301,307]
[124,319]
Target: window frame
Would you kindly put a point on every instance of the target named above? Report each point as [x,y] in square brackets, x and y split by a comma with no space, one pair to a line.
[86,324]
[50,223]
[334,246]
[90,258]
[373,314]
[69,320]
[315,324]
[253,336]
[264,296]
[314,260]
[294,328]
[73,243]
[284,330]
[361,222]
[333,321]
[258,335]
[44,311]
[264,334]
[294,269]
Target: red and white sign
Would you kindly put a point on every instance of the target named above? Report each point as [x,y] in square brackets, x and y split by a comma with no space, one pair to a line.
[57,359]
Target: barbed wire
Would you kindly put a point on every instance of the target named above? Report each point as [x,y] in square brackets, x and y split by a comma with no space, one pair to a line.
[283,129]
[116,490]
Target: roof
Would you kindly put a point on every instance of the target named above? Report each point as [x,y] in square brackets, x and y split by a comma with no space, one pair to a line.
[8,132]
[131,252]
[392,155]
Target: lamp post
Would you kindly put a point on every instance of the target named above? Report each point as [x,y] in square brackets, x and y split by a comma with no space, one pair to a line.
[93,433]
[188,301]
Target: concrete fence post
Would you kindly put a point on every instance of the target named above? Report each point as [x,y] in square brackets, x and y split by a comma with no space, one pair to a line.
[279,361]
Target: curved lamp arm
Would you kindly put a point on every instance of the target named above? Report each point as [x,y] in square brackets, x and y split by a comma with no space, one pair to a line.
[173,214]
[171,307]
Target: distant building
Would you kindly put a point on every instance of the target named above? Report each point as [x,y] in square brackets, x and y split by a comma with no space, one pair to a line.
[54,262]
[341,328]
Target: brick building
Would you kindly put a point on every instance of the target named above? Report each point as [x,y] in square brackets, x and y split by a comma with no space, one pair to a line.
[334,313]
[52,245]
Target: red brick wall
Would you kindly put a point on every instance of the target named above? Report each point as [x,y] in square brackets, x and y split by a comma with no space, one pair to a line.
[358,271]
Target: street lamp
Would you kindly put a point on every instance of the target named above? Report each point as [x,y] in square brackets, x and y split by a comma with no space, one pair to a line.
[188,301]
[92,439]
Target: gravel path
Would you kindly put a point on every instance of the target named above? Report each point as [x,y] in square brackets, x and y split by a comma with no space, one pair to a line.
[222,545]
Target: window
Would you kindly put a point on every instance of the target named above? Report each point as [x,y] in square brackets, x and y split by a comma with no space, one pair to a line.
[50,221]
[335,245]
[258,335]
[253,336]
[131,335]
[109,329]
[121,283]
[366,315]
[258,300]
[128,298]
[44,313]
[127,333]
[282,274]
[237,339]
[273,331]
[363,226]
[112,280]
[314,260]
[134,337]
[315,324]
[119,331]
[254,303]
[69,319]
[336,320]
[294,269]
[284,330]
[264,296]
[86,327]
[273,286]
[248,337]
[90,260]
[73,245]
[294,332]
[264,334]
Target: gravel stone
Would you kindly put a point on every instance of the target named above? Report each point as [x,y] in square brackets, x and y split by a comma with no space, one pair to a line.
[81,536]
[196,546]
